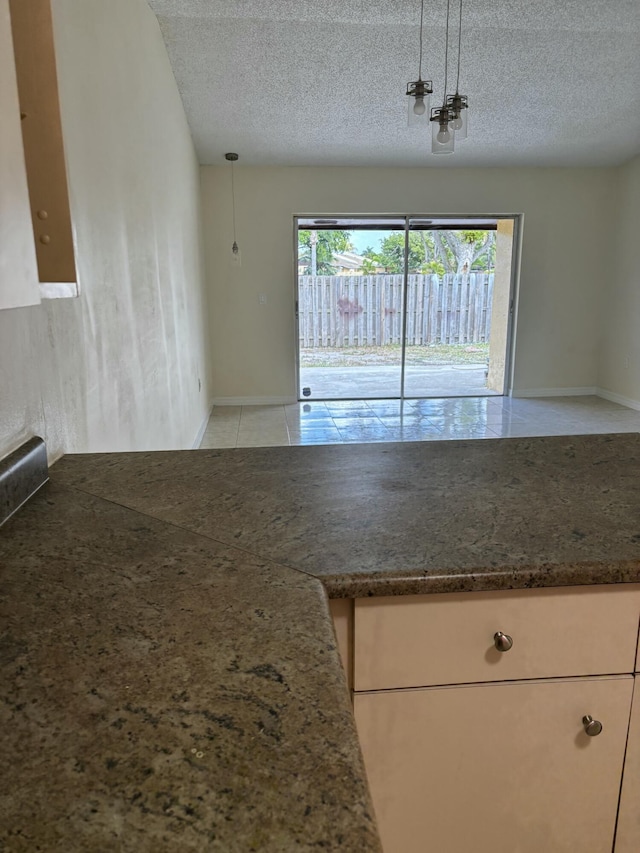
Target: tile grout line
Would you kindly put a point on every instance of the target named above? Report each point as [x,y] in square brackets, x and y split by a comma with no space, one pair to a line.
[524,418]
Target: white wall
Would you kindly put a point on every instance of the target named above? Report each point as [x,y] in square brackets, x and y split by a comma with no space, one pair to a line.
[619,374]
[117,368]
[562,260]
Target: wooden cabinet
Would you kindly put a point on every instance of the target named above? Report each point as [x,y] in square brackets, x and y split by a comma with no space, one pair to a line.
[342,615]
[33,41]
[36,236]
[18,267]
[469,749]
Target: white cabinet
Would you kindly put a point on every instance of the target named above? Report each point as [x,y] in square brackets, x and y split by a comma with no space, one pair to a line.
[469,749]
[496,768]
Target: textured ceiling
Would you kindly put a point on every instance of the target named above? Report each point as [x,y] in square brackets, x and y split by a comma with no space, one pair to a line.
[322,82]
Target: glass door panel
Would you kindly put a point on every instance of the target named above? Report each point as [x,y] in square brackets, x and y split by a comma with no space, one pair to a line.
[450,296]
[350,304]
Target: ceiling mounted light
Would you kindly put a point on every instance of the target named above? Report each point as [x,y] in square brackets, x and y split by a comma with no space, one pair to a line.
[458,104]
[419,91]
[442,132]
[232,158]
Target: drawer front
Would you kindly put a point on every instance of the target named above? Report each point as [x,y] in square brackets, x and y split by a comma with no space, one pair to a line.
[422,640]
[496,768]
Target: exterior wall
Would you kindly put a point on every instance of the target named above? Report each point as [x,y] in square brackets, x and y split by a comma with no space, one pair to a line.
[619,375]
[118,368]
[563,263]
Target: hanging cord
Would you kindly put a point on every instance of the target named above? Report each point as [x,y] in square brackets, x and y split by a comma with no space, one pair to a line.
[459,46]
[233,209]
[446,55]
[421,19]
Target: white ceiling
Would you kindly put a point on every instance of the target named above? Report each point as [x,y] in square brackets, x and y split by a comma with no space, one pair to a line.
[322,82]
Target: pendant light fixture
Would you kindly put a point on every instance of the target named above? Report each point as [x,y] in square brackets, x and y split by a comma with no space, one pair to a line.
[419,91]
[442,133]
[233,159]
[458,104]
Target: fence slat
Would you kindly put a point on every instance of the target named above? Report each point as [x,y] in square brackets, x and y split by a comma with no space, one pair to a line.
[358,310]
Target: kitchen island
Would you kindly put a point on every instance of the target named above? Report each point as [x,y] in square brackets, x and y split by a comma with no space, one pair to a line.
[170,676]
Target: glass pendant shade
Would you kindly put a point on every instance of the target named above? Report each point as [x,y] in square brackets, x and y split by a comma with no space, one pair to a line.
[459,109]
[461,132]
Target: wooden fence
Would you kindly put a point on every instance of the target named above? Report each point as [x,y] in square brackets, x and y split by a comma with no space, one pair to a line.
[366,310]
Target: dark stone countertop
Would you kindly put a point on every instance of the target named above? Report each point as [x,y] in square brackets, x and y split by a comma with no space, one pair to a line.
[393,519]
[160,691]
[169,674]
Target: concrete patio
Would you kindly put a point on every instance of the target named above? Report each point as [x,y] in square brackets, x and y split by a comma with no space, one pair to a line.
[351,383]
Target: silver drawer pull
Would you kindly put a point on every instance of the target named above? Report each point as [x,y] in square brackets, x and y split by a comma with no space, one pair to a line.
[502,642]
[592,727]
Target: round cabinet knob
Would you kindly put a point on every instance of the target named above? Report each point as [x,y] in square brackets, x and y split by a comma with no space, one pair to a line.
[502,642]
[592,727]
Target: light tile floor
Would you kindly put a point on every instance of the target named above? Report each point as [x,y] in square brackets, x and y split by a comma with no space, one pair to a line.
[365,421]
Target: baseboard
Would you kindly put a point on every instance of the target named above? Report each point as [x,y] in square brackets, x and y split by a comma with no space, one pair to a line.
[203,427]
[253,401]
[618,398]
[581,391]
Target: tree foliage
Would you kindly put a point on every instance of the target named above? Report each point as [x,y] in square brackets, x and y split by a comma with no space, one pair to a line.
[390,255]
[464,251]
[434,251]
[327,243]
[437,252]
[369,265]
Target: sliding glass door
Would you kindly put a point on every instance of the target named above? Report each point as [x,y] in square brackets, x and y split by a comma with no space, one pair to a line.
[350,308]
[393,307]
[450,291]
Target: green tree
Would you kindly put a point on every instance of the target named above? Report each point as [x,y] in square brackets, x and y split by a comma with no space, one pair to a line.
[390,255]
[436,252]
[434,268]
[317,248]
[369,264]
[463,251]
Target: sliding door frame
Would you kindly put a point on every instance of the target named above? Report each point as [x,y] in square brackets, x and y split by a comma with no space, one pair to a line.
[338,219]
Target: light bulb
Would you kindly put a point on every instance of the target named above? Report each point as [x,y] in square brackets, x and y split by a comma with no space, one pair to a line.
[419,107]
[443,135]
[456,123]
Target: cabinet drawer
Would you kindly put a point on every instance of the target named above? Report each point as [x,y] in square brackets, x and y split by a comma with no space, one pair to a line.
[422,640]
[496,768]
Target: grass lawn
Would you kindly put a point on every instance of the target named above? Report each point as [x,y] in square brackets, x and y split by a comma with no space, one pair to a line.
[433,354]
